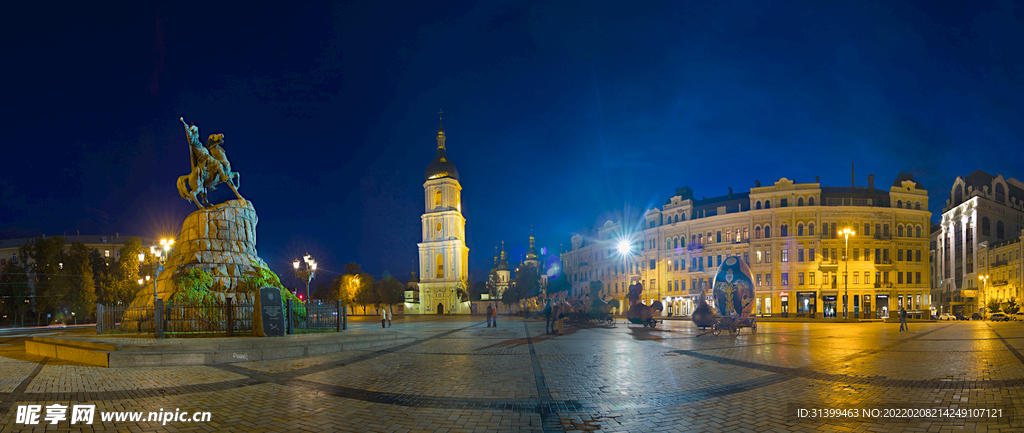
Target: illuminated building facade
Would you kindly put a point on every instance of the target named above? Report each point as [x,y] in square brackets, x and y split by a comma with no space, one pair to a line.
[443,254]
[789,235]
[981,209]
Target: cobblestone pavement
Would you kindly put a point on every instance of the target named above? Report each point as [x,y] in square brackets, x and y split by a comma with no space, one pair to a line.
[456,375]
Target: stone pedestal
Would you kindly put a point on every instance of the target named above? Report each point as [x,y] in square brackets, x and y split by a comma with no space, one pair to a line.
[220,240]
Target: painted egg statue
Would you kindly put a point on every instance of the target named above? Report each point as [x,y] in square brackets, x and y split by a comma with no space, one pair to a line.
[733,289]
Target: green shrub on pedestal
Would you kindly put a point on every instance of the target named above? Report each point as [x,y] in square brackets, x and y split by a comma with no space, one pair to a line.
[193,287]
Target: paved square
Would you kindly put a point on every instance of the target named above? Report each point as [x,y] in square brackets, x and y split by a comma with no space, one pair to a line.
[456,375]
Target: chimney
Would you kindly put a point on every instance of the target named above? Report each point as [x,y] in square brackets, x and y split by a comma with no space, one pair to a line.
[853,183]
[871,181]
[730,192]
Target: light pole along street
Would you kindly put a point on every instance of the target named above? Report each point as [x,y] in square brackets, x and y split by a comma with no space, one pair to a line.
[983,297]
[846,273]
[305,274]
[160,254]
[624,248]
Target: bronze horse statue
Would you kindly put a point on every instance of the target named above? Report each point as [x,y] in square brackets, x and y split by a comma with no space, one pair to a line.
[210,167]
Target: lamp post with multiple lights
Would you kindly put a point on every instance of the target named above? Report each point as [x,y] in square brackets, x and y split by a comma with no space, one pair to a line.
[625,250]
[160,255]
[305,274]
[846,273]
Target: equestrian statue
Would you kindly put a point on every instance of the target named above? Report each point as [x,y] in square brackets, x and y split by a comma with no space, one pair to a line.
[210,167]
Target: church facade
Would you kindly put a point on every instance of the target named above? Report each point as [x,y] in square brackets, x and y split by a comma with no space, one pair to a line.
[443,254]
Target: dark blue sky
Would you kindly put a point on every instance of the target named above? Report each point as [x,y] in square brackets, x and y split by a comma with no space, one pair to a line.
[557,114]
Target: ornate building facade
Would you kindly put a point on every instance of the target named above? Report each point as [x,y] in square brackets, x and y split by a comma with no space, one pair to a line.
[981,209]
[443,254]
[789,233]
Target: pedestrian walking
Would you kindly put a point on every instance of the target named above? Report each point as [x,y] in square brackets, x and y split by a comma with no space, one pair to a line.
[390,314]
[903,320]
[495,321]
[490,315]
[383,318]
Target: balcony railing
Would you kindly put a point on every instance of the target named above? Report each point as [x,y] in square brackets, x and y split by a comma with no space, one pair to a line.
[997,283]
[882,237]
[998,263]
[693,246]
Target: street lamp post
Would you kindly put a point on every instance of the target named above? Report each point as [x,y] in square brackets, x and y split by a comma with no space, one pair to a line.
[305,274]
[160,255]
[846,273]
[624,249]
[983,299]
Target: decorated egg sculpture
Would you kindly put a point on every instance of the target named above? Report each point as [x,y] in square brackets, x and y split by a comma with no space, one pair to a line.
[733,289]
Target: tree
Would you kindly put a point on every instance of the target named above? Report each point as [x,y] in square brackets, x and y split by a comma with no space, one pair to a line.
[79,290]
[390,291]
[365,293]
[993,306]
[1012,307]
[322,292]
[124,274]
[478,288]
[14,291]
[101,277]
[528,281]
[559,284]
[47,257]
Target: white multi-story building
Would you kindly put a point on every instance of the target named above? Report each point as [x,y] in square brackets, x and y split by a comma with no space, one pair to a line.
[790,235]
[981,208]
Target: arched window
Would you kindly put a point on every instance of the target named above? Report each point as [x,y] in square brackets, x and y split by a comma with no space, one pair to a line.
[800,201]
[437,198]
[917,205]
[800,229]
[810,228]
[668,244]
[677,243]
[986,227]
[783,230]
[899,203]
[758,205]
[440,264]
[899,231]
[767,204]
[810,202]
[767,231]
[999,230]
[917,231]
[1000,194]
[757,232]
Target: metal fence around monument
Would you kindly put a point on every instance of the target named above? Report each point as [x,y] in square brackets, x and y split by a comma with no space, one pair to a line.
[215,318]
[124,319]
[313,316]
[207,318]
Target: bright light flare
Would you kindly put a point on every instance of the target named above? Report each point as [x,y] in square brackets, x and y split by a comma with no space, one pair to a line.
[623,247]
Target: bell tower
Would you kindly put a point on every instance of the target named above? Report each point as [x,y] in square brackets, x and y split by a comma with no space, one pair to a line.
[444,257]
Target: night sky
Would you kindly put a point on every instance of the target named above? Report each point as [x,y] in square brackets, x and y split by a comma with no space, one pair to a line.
[561,115]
